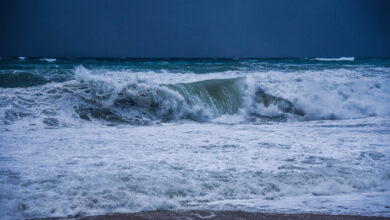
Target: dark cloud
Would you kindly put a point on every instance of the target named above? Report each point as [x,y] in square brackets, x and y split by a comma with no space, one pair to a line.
[195,28]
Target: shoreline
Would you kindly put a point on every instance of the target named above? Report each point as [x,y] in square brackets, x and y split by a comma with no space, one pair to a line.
[214,215]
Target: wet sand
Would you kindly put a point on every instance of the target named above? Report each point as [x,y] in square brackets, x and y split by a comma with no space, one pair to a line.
[214,215]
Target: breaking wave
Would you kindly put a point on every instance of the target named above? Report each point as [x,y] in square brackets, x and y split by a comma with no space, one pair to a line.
[50,60]
[141,101]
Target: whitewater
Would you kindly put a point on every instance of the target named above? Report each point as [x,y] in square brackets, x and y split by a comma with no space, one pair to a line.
[94,136]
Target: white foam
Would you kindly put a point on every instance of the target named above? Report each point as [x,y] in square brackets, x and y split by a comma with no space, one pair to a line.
[163,77]
[336,59]
[336,94]
[50,60]
[338,167]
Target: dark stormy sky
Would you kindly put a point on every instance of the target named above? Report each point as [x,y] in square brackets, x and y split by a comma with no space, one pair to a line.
[195,28]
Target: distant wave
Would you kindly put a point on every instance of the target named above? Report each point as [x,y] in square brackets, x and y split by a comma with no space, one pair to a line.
[49,59]
[336,59]
[21,58]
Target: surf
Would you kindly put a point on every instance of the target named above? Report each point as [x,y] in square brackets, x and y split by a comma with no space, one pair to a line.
[145,97]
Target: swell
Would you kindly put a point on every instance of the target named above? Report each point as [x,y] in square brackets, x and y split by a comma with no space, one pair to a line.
[21,79]
[27,78]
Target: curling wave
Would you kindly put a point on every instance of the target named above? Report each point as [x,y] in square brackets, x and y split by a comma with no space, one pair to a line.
[142,101]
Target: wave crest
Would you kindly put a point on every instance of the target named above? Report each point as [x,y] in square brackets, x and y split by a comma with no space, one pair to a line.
[140,102]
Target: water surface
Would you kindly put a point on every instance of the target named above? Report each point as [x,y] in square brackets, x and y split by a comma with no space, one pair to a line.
[277,135]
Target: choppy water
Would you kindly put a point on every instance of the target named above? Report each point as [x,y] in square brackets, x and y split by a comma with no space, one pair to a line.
[101,136]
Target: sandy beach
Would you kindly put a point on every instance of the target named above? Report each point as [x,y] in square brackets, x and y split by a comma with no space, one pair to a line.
[214,215]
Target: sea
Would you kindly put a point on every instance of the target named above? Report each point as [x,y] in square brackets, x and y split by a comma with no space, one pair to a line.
[82,137]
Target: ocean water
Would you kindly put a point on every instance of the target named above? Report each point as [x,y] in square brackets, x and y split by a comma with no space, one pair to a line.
[86,137]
